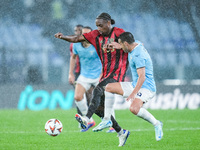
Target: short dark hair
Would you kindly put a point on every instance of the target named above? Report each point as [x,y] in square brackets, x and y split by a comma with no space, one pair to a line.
[79,26]
[127,36]
[106,16]
[87,27]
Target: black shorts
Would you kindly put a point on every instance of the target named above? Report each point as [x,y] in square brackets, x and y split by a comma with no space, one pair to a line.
[76,75]
[102,85]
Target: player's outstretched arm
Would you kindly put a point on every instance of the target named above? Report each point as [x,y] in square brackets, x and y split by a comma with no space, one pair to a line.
[70,38]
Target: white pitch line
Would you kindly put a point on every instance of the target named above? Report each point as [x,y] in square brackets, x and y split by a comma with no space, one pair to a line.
[133,130]
[168,121]
[182,121]
[167,129]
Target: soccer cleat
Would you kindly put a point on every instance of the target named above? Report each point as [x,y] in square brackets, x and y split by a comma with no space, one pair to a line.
[81,120]
[111,130]
[158,131]
[102,125]
[89,125]
[123,137]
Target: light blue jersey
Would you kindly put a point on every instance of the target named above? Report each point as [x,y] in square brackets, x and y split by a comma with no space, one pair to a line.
[89,61]
[139,57]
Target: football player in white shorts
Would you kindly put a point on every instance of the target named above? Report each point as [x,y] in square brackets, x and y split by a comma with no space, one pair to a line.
[89,75]
[139,91]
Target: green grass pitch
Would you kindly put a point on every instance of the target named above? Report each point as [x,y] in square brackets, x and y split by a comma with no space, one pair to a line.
[24,130]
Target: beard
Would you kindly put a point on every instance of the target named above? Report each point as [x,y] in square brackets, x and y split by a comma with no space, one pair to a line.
[126,50]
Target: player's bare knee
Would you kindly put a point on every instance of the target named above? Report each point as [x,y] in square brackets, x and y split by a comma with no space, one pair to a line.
[108,88]
[78,97]
[134,110]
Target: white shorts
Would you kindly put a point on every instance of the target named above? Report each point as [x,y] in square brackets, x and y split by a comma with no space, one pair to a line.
[87,82]
[144,94]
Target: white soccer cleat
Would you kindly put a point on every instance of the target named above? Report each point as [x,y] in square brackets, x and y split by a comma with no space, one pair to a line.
[81,120]
[123,137]
[102,125]
[158,131]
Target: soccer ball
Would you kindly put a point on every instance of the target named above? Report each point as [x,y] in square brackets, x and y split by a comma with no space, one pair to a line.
[53,127]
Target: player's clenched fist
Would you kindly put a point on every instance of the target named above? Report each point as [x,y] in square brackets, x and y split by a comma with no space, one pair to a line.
[58,35]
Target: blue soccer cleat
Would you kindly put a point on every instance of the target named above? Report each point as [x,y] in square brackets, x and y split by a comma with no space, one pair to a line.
[89,125]
[81,120]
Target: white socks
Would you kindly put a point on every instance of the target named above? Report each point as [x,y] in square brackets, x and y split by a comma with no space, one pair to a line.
[121,132]
[82,105]
[109,103]
[144,114]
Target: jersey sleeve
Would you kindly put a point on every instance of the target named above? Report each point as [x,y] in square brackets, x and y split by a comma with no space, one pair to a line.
[91,36]
[118,31]
[140,62]
[74,49]
[140,59]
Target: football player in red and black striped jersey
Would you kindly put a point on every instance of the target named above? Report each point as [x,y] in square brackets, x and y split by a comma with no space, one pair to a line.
[114,63]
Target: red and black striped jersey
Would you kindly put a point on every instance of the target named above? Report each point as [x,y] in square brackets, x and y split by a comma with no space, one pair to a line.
[77,67]
[114,62]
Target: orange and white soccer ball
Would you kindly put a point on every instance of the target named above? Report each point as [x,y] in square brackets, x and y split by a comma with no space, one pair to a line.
[53,127]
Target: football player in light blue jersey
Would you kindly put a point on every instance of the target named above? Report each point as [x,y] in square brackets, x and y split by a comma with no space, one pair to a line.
[89,75]
[138,92]
[89,60]
[139,58]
